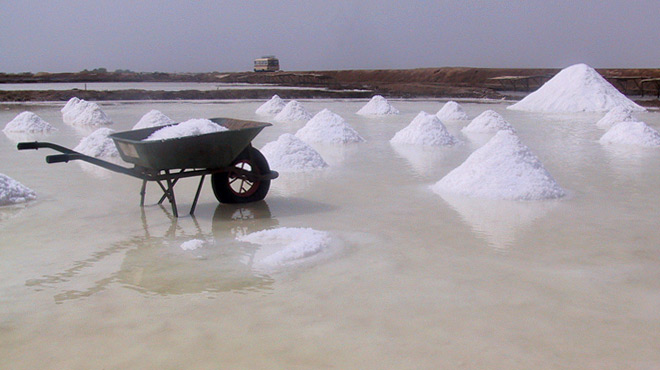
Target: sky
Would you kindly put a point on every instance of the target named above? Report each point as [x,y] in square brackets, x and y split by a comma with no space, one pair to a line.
[225,36]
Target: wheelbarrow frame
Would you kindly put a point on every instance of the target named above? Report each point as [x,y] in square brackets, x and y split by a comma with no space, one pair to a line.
[167,161]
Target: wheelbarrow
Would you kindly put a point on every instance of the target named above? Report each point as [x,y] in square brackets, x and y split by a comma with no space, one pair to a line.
[239,172]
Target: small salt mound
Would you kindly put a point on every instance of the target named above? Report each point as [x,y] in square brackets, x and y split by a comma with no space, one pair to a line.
[153,118]
[488,122]
[503,168]
[578,88]
[614,116]
[286,245]
[98,144]
[28,122]
[632,133]
[452,111]
[271,107]
[191,245]
[377,106]
[328,127]
[425,129]
[78,112]
[191,127]
[288,153]
[13,192]
[293,111]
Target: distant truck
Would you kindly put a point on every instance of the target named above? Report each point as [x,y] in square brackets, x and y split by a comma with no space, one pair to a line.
[266,64]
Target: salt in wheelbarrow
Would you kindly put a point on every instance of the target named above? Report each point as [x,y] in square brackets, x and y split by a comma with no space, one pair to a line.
[239,172]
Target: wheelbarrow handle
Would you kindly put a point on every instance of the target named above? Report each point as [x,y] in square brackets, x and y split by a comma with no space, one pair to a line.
[59,158]
[28,145]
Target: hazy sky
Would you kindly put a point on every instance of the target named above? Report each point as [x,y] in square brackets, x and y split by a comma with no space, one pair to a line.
[204,36]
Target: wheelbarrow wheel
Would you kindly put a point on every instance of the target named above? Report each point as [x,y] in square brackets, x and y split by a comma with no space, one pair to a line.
[233,187]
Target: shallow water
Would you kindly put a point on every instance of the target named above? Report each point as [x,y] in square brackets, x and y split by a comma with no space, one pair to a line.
[412,280]
[165,86]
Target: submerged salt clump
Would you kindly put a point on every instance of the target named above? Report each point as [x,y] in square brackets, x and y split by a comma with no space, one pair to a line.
[452,111]
[79,112]
[288,153]
[192,244]
[98,144]
[13,192]
[328,127]
[578,88]
[191,127]
[377,106]
[425,129]
[488,122]
[286,245]
[28,122]
[271,107]
[153,118]
[614,116]
[503,168]
[631,133]
[293,111]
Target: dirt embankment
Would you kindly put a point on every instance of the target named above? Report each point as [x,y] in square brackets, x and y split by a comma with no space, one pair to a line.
[446,82]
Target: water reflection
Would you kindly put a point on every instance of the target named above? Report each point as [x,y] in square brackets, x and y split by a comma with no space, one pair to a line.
[423,159]
[499,221]
[154,263]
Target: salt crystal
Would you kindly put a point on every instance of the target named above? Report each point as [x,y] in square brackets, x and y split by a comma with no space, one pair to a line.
[425,129]
[631,133]
[153,118]
[191,127]
[452,111]
[578,88]
[271,107]
[615,115]
[488,122]
[293,111]
[78,112]
[503,168]
[98,144]
[288,153]
[328,127]
[377,106]
[13,192]
[287,245]
[28,122]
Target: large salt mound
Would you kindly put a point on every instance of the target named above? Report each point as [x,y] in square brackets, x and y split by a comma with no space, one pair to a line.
[452,111]
[191,127]
[631,133]
[578,88]
[286,245]
[28,122]
[293,111]
[78,112]
[13,192]
[288,153]
[98,144]
[503,168]
[328,127]
[425,129]
[488,122]
[153,118]
[377,106]
[614,116]
[271,107]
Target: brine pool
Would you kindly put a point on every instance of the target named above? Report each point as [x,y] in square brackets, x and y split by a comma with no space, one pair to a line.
[412,280]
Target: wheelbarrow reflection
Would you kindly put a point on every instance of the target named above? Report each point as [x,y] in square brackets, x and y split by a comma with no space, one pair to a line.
[157,265]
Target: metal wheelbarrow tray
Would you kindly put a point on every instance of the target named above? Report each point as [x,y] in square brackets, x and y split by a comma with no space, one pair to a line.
[239,172]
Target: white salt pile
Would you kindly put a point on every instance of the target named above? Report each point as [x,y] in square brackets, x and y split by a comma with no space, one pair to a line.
[286,245]
[271,107]
[425,129]
[452,111]
[191,127]
[28,122]
[328,127]
[631,133]
[191,245]
[377,106]
[13,192]
[488,122]
[503,168]
[78,112]
[578,88]
[98,144]
[293,111]
[288,153]
[614,116]
[153,118]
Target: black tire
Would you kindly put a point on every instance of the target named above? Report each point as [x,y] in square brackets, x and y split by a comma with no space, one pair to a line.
[230,187]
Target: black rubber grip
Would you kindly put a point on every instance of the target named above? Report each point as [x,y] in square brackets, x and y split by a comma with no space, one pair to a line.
[58,158]
[28,145]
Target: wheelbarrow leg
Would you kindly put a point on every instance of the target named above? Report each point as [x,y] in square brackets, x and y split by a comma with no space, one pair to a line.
[199,190]
[143,192]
